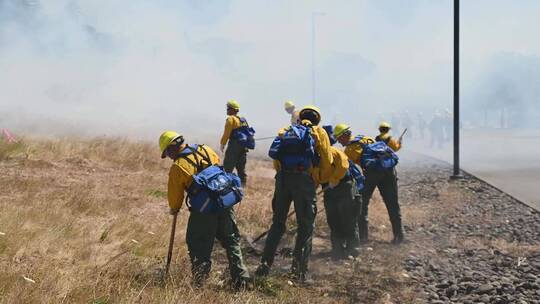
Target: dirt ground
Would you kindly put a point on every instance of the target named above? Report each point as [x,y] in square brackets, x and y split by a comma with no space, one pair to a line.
[86,222]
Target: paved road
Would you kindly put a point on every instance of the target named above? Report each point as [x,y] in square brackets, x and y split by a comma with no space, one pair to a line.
[507,159]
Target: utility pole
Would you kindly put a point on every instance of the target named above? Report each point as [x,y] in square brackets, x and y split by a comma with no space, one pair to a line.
[457,173]
[313,61]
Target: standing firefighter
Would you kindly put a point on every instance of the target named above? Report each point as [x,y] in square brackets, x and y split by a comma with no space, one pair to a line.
[378,162]
[211,213]
[384,136]
[291,109]
[302,160]
[240,138]
[340,206]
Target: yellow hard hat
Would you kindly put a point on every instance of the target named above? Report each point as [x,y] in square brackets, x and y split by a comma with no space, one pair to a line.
[312,108]
[166,139]
[340,129]
[384,124]
[289,104]
[305,114]
[233,104]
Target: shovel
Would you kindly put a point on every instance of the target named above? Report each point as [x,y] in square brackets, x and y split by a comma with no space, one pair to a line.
[171,243]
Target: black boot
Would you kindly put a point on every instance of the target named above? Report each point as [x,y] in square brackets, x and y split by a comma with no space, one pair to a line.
[397,230]
[242,284]
[200,273]
[263,270]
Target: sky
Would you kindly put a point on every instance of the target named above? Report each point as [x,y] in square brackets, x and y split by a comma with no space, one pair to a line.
[138,67]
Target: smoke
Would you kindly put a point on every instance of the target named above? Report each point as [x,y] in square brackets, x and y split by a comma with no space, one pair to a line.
[138,67]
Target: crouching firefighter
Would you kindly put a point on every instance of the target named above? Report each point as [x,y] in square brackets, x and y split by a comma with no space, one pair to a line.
[240,138]
[300,152]
[378,162]
[211,193]
[341,205]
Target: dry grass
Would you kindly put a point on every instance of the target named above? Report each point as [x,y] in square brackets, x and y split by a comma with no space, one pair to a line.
[87,221]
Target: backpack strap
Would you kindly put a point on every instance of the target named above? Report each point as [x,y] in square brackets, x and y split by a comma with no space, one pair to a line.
[196,154]
[243,122]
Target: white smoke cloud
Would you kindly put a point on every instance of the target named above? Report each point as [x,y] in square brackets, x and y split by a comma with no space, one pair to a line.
[137,67]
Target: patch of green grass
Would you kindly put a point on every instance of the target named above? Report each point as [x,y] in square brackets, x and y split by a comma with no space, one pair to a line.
[267,287]
[100,301]
[157,193]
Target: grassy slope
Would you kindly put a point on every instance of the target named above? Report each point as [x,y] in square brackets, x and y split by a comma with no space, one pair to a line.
[87,220]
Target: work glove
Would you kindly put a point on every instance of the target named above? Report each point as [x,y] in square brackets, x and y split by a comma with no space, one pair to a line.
[222,148]
[173,211]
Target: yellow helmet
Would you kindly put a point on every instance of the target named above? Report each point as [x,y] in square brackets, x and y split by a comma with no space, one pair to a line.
[340,129]
[384,124]
[305,113]
[233,104]
[289,104]
[166,139]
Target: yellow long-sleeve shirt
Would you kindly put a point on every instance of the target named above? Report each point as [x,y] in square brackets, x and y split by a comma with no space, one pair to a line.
[393,143]
[322,172]
[340,165]
[181,175]
[354,150]
[232,122]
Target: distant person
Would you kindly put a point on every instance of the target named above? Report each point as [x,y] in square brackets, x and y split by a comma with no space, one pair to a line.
[379,170]
[421,124]
[302,159]
[290,108]
[202,227]
[448,125]
[384,136]
[238,137]
[436,131]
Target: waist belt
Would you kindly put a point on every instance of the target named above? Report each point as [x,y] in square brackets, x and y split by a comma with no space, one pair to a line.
[295,170]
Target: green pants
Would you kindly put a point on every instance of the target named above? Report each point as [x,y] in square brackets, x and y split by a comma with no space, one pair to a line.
[341,215]
[202,229]
[386,182]
[297,187]
[236,157]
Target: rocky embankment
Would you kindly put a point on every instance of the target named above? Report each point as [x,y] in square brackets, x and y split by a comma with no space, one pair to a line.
[480,246]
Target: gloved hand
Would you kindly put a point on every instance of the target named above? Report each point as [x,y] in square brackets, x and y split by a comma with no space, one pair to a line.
[222,148]
[173,211]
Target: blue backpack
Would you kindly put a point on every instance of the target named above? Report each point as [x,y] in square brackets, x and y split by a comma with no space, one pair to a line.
[244,134]
[295,149]
[356,174]
[212,190]
[330,131]
[378,155]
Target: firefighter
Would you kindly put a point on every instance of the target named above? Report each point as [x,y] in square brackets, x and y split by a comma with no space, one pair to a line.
[383,179]
[202,228]
[384,135]
[236,153]
[290,108]
[297,177]
[340,206]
